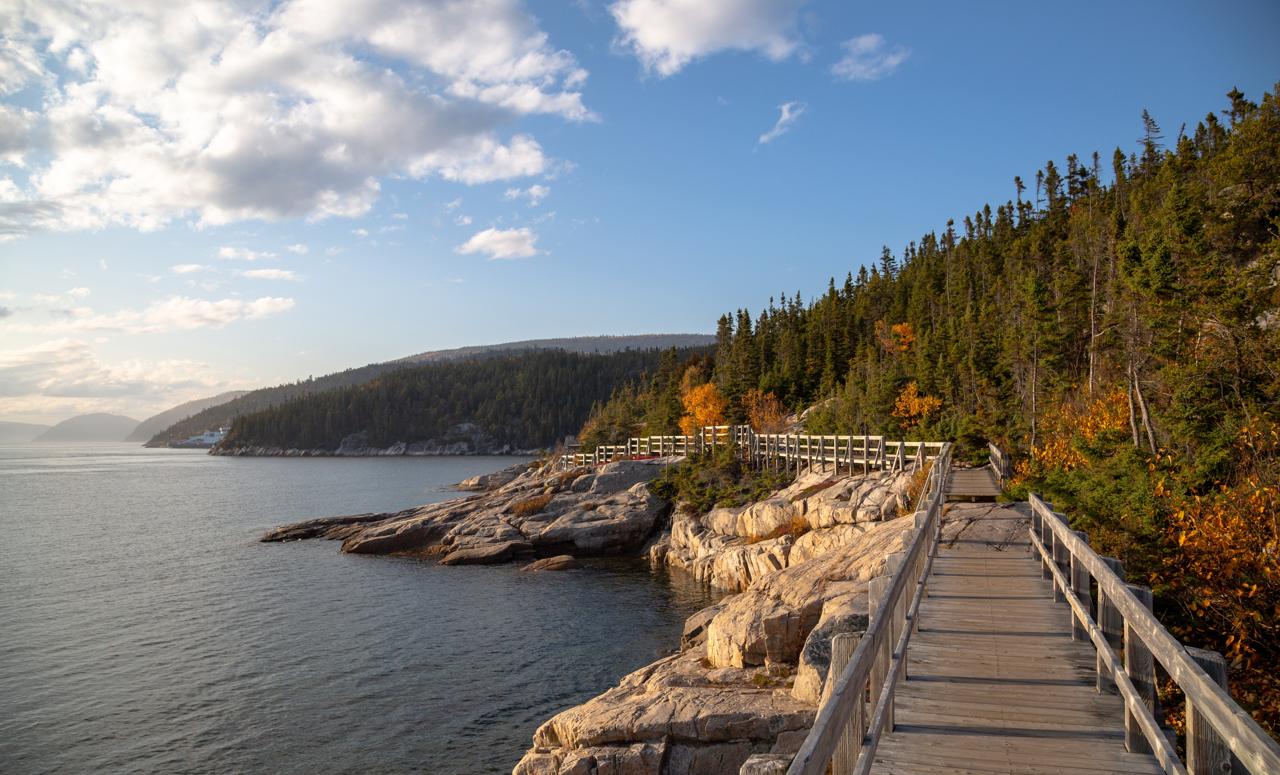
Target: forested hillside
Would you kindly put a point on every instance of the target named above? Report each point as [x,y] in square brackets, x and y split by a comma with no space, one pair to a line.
[528,400]
[1115,323]
[223,414]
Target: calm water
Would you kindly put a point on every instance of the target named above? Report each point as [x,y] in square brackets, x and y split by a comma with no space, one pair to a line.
[143,628]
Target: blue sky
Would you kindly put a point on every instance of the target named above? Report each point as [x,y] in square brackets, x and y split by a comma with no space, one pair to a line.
[197,198]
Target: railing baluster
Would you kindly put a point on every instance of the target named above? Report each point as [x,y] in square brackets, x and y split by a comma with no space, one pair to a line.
[1141,669]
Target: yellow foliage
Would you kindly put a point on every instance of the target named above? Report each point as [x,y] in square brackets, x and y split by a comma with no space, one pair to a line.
[912,407]
[895,339]
[1061,423]
[703,405]
[764,411]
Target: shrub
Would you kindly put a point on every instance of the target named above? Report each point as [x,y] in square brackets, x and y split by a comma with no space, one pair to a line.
[796,526]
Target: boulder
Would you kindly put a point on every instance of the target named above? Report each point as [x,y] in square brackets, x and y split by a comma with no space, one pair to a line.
[769,622]
[559,562]
[485,554]
[712,720]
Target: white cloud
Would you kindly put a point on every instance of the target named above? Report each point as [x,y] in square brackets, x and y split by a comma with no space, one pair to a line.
[242,254]
[228,110]
[360,232]
[666,35]
[298,248]
[189,268]
[64,376]
[869,57]
[175,313]
[453,205]
[787,115]
[502,243]
[78,293]
[17,134]
[462,220]
[534,194]
[269,274]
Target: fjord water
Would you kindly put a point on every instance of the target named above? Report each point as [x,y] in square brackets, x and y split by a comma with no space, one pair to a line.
[144,629]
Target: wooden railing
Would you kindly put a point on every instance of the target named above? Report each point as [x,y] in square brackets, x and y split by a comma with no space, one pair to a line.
[848,727]
[999,463]
[775,450]
[1116,617]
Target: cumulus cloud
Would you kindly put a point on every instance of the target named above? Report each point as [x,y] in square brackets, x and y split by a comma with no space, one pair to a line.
[175,313]
[299,249]
[787,115]
[269,274]
[249,109]
[868,58]
[666,35]
[533,194]
[188,268]
[502,243]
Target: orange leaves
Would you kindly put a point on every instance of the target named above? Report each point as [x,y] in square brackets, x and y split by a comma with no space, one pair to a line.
[1062,423]
[764,411]
[895,339]
[912,408]
[1228,564]
[703,405]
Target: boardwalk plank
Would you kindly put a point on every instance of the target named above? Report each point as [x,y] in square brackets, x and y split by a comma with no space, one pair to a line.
[995,683]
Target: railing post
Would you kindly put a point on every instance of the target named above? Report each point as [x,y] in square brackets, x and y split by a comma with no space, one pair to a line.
[1140,666]
[877,589]
[1061,558]
[1112,625]
[846,756]
[1207,751]
[1080,588]
[866,453]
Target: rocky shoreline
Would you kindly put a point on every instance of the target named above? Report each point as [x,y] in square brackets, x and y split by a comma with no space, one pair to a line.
[743,690]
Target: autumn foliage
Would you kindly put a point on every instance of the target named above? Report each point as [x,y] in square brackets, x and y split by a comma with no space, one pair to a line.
[1064,425]
[895,339]
[912,407]
[764,411]
[703,405]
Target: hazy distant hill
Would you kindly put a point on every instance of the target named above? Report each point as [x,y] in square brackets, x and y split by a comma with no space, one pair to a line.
[265,398]
[573,344]
[91,427]
[20,432]
[158,423]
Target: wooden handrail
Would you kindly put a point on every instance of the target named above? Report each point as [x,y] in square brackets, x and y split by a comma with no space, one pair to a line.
[1238,731]
[841,713]
[829,452]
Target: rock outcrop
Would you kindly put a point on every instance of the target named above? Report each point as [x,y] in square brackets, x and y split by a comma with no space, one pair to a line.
[533,514]
[493,481]
[745,688]
[731,548]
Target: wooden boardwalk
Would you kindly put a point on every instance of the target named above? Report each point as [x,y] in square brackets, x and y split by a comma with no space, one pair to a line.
[972,484]
[995,684]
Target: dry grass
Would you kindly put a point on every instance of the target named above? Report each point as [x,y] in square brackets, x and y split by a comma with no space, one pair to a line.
[530,505]
[915,488]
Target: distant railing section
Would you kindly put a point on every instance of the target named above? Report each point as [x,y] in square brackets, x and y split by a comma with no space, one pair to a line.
[999,463]
[781,451]
[1116,617]
[857,706]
